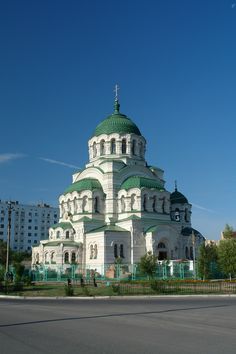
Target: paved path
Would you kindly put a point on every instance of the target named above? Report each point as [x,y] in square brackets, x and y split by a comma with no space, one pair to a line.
[164,325]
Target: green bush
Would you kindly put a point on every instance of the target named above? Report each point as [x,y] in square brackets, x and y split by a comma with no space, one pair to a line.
[116,288]
[69,291]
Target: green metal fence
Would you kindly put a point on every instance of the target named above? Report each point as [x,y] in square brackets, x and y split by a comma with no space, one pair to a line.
[178,270]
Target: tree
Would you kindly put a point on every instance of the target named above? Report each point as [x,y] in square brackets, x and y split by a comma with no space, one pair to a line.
[148,264]
[228,232]
[206,259]
[227,256]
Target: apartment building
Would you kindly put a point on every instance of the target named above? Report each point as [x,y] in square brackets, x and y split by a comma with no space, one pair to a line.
[29,223]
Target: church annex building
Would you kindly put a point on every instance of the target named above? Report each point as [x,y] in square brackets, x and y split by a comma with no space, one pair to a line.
[117,206]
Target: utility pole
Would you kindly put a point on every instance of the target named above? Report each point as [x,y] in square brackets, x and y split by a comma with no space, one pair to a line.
[9,208]
[194,255]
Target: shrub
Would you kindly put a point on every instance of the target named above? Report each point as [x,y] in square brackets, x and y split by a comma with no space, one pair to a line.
[69,291]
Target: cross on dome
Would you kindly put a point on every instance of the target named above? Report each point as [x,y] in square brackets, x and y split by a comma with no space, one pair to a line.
[116,105]
[116,92]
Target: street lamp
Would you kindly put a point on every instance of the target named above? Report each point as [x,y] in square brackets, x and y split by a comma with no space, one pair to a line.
[9,208]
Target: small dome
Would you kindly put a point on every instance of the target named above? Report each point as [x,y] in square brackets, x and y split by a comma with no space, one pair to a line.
[116,123]
[83,185]
[178,198]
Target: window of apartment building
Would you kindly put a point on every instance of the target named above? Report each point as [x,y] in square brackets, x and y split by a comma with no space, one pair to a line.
[30,214]
[29,227]
[35,214]
[55,215]
[35,234]
[30,220]
[2,219]
[35,241]
[29,241]
[2,212]
[29,234]
[36,227]
[1,233]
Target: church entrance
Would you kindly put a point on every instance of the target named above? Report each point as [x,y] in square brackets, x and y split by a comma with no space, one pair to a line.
[162,253]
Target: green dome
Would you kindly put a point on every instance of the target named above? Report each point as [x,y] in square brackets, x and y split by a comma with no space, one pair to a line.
[139,182]
[116,123]
[178,198]
[83,185]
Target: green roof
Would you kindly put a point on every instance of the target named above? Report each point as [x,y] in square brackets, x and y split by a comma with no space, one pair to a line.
[63,225]
[116,123]
[178,198]
[139,182]
[83,185]
[152,229]
[65,243]
[105,228]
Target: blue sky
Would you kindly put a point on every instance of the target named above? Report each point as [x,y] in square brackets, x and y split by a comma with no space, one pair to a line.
[175,63]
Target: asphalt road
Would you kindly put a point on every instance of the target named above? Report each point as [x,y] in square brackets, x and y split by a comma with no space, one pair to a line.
[164,325]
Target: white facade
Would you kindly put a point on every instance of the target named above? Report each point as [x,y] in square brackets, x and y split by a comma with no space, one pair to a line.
[117,206]
[29,224]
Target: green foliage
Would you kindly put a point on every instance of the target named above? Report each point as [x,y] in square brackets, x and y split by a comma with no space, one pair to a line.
[2,273]
[228,232]
[227,256]
[148,264]
[69,291]
[207,257]
[116,288]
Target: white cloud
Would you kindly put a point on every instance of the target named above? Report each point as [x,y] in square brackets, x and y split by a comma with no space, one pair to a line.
[59,163]
[203,208]
[233,5]
[10,156]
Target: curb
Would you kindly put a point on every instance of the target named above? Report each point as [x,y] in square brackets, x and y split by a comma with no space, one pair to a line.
[125,297]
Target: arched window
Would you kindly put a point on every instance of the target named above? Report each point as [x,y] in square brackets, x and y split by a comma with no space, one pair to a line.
[186,215]
[37,258]
[113,146]
[95,252]
[66,257]
[122,203]
[191,253]
[177,215]
[73,257]
[115,251]
[133,202]
[84,204]
[53,260]
[154,203]
[58,234]
[123,146]
[186,253]
[46,258]
[133,147]
[91,252]
[102,147]
[141,149]
[122,251]
[96,203]
[145,202]
[67,234]
[94,149]
[75,205]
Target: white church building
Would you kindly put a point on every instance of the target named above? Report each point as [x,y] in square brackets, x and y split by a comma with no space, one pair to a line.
[117,207]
